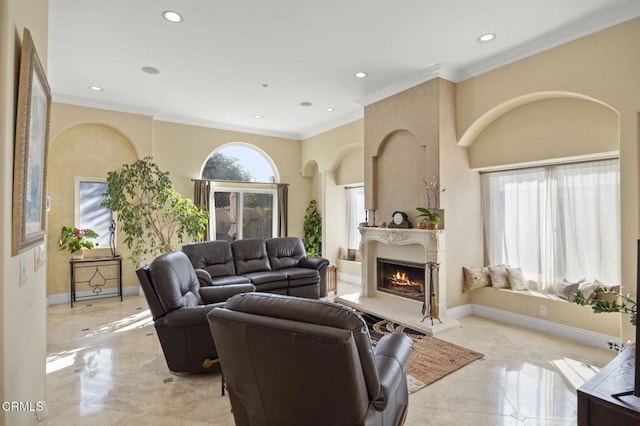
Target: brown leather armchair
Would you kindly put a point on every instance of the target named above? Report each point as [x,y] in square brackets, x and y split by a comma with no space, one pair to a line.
[179,307]
[295,361]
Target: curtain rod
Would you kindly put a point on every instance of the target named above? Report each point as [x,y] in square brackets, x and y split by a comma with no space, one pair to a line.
[542,166]
[237,181]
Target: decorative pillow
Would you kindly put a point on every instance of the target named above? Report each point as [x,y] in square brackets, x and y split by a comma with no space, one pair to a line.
[611,291]
[516,279]
[567,291]
[588,289]
[499,278]
[476,277]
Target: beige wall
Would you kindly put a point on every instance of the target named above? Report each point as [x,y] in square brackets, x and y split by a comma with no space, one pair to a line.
[23,306]
[171,142]
[101,149]
[547,129]
[601,67]
[331,160]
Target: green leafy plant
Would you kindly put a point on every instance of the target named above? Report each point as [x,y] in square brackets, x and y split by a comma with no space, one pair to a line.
[618,303]
[312,230]
[74,239]
[152,214]
[429,214]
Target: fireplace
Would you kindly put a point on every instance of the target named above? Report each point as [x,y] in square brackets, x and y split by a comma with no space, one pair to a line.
[401,278]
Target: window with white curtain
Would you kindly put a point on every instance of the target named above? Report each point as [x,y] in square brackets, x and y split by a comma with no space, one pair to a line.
[355,215]
[556,222]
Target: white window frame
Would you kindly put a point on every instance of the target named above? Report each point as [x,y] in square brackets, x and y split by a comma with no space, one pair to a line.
[240,220]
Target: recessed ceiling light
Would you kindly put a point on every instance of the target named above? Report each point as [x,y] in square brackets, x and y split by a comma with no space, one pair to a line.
[172,16]
[96,88]
[305,104]
[258,116]
[151,70]
[265,85]
[330,109]
[486,38]
[361,74]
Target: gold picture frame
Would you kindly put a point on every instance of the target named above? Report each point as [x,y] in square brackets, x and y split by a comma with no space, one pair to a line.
[30,151]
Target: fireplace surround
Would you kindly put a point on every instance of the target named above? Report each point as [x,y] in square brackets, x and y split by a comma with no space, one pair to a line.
[415,246]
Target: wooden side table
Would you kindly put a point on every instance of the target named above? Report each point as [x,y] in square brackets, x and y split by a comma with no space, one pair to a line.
[95,273]
[332,279]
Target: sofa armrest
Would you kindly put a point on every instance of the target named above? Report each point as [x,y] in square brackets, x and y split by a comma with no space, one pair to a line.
[187,317]
[204,278]
[220,293]
[392,355]
[314,262]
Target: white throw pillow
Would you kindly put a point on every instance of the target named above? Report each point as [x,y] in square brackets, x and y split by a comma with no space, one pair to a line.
[499,278]
[516,279]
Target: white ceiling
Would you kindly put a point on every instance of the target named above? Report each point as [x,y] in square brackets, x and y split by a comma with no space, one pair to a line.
[213,65]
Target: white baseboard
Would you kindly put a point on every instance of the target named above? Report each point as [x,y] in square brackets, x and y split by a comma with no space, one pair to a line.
[460,311]
[575,334]
[59,298]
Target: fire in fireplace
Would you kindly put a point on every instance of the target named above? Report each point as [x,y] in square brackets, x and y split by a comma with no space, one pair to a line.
[401,278]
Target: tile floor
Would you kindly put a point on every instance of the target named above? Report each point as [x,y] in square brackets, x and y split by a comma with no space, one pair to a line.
[105,366]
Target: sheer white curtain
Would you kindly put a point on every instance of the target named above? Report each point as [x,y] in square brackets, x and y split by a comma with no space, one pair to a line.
[355,215]
[558,222]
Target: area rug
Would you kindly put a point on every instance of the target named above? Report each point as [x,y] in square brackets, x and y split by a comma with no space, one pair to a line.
[432,358]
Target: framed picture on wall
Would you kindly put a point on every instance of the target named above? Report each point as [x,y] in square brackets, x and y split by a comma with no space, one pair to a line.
[30,151]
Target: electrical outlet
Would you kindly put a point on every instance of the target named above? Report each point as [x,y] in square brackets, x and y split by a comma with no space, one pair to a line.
[543,311]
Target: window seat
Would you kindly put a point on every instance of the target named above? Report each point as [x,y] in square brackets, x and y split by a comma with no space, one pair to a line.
[546,307]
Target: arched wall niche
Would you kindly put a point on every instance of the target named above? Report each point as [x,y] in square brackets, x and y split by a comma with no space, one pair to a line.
[398,170]
[542,127]
[348,164]
[88,150]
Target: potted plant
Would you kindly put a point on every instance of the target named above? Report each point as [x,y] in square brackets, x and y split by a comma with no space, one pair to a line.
[610,301]
[431,213]
[431,218]
[151,213]
[312,230]
[76,240]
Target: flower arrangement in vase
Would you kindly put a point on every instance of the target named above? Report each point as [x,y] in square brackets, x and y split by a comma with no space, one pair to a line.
[430,214]
[76,240]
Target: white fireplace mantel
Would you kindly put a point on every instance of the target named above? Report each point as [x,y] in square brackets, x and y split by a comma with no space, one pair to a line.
[417,245]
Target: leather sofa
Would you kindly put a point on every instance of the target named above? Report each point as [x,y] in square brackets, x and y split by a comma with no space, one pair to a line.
[295,361]
[273,265]
[179,307]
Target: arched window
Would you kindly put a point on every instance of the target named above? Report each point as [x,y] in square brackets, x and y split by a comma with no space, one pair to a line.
[244,199]
[240,163]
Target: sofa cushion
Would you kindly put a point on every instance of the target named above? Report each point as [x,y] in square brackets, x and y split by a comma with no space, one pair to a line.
[284,252]
[269,281]
[250,256]
[301,276]
[231,279]
[215,257]
[175,281]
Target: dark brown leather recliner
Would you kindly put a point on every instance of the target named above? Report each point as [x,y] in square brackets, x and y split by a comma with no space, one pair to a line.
[179,307]
[295,361]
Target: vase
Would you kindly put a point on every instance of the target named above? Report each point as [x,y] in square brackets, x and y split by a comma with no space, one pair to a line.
[77,255]
[428,224]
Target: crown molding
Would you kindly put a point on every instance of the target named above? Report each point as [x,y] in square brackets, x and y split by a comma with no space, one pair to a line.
[438,70]
[330,125]
[553,39]
[225,126]
[111,106]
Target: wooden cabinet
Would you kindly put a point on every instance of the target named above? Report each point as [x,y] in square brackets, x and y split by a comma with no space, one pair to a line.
[597,406]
